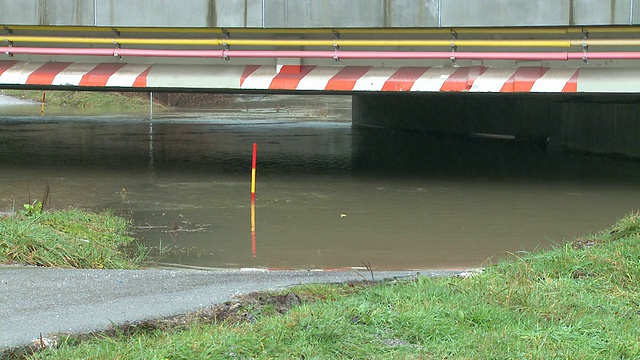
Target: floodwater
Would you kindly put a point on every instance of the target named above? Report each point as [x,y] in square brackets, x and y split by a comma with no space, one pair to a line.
[327,195]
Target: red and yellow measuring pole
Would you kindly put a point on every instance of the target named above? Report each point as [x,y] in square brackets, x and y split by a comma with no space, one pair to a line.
[253,199]
[44,97]
[253,172]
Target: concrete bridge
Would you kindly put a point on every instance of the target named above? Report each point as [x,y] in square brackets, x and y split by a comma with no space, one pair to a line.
[563,70]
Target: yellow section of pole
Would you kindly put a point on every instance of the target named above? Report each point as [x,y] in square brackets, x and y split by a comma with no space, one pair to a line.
[253,182]
[254,158]
[44,96]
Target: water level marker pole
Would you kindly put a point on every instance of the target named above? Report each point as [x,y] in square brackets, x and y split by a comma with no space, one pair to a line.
[253,172]
[253,229]
[151,105]
[44,97]
[253,199]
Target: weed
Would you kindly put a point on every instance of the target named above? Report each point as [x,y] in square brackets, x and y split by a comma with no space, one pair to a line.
[32,209]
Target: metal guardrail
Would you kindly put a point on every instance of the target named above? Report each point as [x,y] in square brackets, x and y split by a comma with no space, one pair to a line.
[337,44]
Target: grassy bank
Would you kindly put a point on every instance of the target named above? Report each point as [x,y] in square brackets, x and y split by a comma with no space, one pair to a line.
[579,301]
[84,99]
[68,239]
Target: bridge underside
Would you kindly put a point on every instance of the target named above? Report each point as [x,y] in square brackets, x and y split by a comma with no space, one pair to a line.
[591,123]
[587,109]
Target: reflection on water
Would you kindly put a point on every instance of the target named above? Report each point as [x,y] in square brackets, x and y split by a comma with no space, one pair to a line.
[327,195]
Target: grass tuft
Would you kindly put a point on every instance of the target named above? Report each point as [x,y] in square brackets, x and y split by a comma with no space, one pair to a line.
[69,239]
[84,99]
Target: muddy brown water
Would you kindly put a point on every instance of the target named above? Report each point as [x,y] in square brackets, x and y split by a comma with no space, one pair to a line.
[328,195]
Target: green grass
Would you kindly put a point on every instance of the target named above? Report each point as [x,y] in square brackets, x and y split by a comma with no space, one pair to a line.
[578,301]
[84,99]
[69,239]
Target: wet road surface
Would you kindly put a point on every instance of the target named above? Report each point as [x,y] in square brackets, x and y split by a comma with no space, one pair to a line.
[42,301]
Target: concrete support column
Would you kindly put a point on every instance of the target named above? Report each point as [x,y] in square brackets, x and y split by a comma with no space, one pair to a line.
[601,127]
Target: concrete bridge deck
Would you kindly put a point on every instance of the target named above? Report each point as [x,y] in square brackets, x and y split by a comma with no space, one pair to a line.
[320,13]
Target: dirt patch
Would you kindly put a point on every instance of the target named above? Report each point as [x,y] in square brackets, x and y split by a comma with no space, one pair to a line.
[581,243]
[192,100]
[245,309]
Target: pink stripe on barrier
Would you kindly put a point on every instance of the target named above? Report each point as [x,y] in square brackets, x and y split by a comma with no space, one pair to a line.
[533,56]
[604,55]
[404,78]
[217,54]
[288,79]
[523,79]
[289,54]
[56,51]
[46,73]
[346,78]
[462,79]
[99,75]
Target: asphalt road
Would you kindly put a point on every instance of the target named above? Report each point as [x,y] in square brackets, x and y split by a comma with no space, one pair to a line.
[36,301]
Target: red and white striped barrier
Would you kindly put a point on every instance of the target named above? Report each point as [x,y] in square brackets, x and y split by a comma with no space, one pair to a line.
[420,79]
[318,78]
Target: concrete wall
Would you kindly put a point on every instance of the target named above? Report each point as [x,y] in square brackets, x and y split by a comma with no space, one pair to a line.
[39,12]
[537,13]
[354,13]
[602,128]
[596,124]
[319,13]
[523,116]
[598,12]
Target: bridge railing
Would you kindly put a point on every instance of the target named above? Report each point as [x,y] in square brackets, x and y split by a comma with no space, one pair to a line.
[608,43]
[388,45]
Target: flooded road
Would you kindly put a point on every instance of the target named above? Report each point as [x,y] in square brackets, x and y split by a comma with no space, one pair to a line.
[327,195]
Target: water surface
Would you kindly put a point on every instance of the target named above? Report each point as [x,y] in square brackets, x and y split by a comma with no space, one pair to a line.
[328,195]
